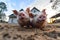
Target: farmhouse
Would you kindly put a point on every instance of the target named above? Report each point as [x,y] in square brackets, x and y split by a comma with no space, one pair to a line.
[56,17]
[13,18]
[34,10]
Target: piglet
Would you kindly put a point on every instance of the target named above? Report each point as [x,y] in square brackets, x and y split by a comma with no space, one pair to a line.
[22,17]
[39,20]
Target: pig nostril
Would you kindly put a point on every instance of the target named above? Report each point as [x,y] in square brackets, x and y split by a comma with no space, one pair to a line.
[43,20]
[43,16]
[21,14]
[40,17]
[22,18]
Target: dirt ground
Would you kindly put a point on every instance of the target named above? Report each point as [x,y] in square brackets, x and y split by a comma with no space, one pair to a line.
[14,32]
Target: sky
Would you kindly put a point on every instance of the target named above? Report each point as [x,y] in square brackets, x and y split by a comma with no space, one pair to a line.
[23,4]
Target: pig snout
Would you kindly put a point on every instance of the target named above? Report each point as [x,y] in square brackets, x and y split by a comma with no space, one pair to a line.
[41,18]
[21,16]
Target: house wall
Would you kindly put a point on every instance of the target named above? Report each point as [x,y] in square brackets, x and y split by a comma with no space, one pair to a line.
[12,20]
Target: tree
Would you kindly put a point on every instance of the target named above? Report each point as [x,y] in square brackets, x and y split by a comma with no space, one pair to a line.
[56,4]
[2,9]
[51,1]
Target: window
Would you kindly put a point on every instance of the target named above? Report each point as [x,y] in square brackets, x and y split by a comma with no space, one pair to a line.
[34,11]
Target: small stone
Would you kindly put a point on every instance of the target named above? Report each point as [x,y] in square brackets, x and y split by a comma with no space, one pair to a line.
[30,38]
[14,37]
[59,34]
[6,35]
[1,28]
[19,36]
[52,34]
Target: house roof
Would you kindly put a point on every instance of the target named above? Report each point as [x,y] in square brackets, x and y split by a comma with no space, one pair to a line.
[35,8]
[55,16]
[12,16]
[21,10]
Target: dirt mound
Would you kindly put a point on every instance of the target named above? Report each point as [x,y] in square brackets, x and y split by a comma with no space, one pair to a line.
[17,33]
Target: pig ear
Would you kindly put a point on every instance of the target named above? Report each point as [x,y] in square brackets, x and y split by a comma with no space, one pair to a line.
[15,12]
[28,10]
[31,15]
[44,11]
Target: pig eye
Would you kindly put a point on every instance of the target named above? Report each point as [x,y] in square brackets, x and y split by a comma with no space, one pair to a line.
[21,14]
[43,16]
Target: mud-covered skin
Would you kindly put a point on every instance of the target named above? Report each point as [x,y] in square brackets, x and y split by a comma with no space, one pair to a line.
[39,20]
[23,22]
[39,23]
[22,18]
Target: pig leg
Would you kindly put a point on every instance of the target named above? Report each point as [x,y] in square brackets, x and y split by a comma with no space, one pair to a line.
[31,24]
[28,25]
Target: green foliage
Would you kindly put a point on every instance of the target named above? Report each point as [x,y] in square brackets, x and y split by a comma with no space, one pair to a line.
[3,7]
